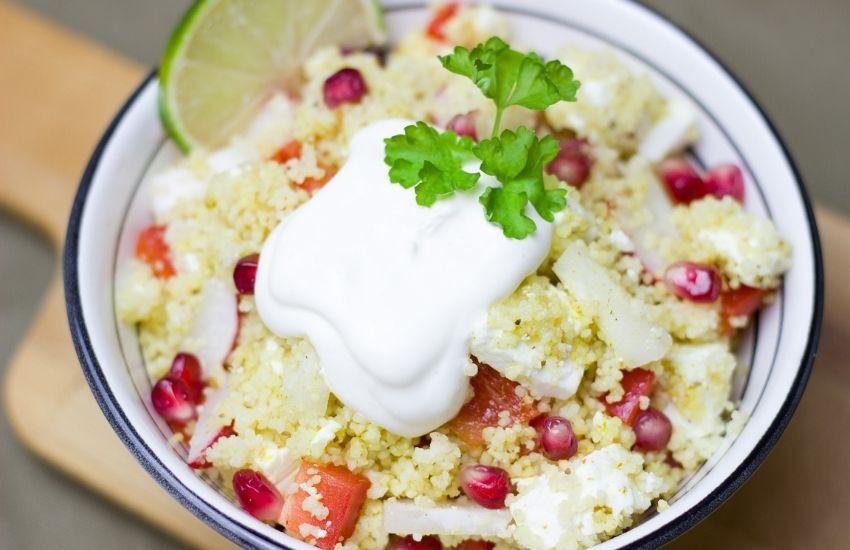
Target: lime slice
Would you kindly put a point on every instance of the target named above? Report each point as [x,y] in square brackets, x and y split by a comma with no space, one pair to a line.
[226,56]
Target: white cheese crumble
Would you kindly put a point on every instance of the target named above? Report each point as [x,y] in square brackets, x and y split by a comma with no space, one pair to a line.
[747,248]
[325,435]
[605,488]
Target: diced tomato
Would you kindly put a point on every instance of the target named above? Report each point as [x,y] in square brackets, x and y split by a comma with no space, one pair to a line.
[636,383]
[493,393]
[475,545]
[436,26]
[291,150]
[343,494]
[152,249]
[311,185]
[744,300]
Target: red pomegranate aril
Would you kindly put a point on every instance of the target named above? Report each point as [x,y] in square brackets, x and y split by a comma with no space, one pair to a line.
[464,125]
[694,282]
[682,180]
[344,86]
[245,274]
[573,162]
[173,401]
[726,181]
[257,495]
[475,545]
[409,543]
[486,485]
[652,430]
[186,368]
[556,438]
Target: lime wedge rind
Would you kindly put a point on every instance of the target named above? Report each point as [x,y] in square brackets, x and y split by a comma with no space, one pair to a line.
[226,56]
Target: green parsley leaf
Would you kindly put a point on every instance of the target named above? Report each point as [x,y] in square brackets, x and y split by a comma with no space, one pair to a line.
[517,159]
[506,209]
[509,77]
[432,162]
[429,161]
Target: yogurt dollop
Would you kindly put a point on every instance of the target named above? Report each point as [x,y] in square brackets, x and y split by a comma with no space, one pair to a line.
[387,291]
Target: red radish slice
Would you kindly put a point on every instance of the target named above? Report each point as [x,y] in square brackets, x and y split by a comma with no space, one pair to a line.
[216,326]
[208,430]
[200,461]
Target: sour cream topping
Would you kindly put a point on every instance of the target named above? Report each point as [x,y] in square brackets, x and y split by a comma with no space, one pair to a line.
[387,291]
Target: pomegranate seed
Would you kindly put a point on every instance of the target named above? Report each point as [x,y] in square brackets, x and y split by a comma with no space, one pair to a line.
[186,368]
[409,543]
[245,274]
[173,401]
[464,125]
[556,438]
[257,495]
[344,86]
[726,181]
[652,430]
[486,485]
[694,282]
[683,182]
[573,163]
[475,545]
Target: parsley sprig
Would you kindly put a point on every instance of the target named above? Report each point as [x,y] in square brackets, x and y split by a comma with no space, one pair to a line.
[432,162]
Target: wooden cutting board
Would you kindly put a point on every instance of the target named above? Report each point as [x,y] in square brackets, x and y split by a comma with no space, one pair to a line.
[60,90]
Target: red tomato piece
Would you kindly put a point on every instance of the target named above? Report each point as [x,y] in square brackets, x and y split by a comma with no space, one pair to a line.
[744,300]
[475,545]
[493,393]
[636,383]
[311,185]
[289,151]
[435,28]
[343,494]
[152,249]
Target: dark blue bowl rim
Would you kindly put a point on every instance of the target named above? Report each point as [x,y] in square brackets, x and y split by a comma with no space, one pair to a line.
[249,538]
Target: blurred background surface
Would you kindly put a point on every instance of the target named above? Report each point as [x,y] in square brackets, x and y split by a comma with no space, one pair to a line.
[791,54]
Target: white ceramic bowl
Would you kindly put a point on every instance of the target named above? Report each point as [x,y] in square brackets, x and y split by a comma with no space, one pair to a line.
[110,208]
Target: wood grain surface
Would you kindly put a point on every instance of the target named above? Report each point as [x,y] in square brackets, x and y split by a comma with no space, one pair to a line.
[59,92]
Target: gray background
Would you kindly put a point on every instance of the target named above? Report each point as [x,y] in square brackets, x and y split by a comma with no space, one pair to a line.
[793,55]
